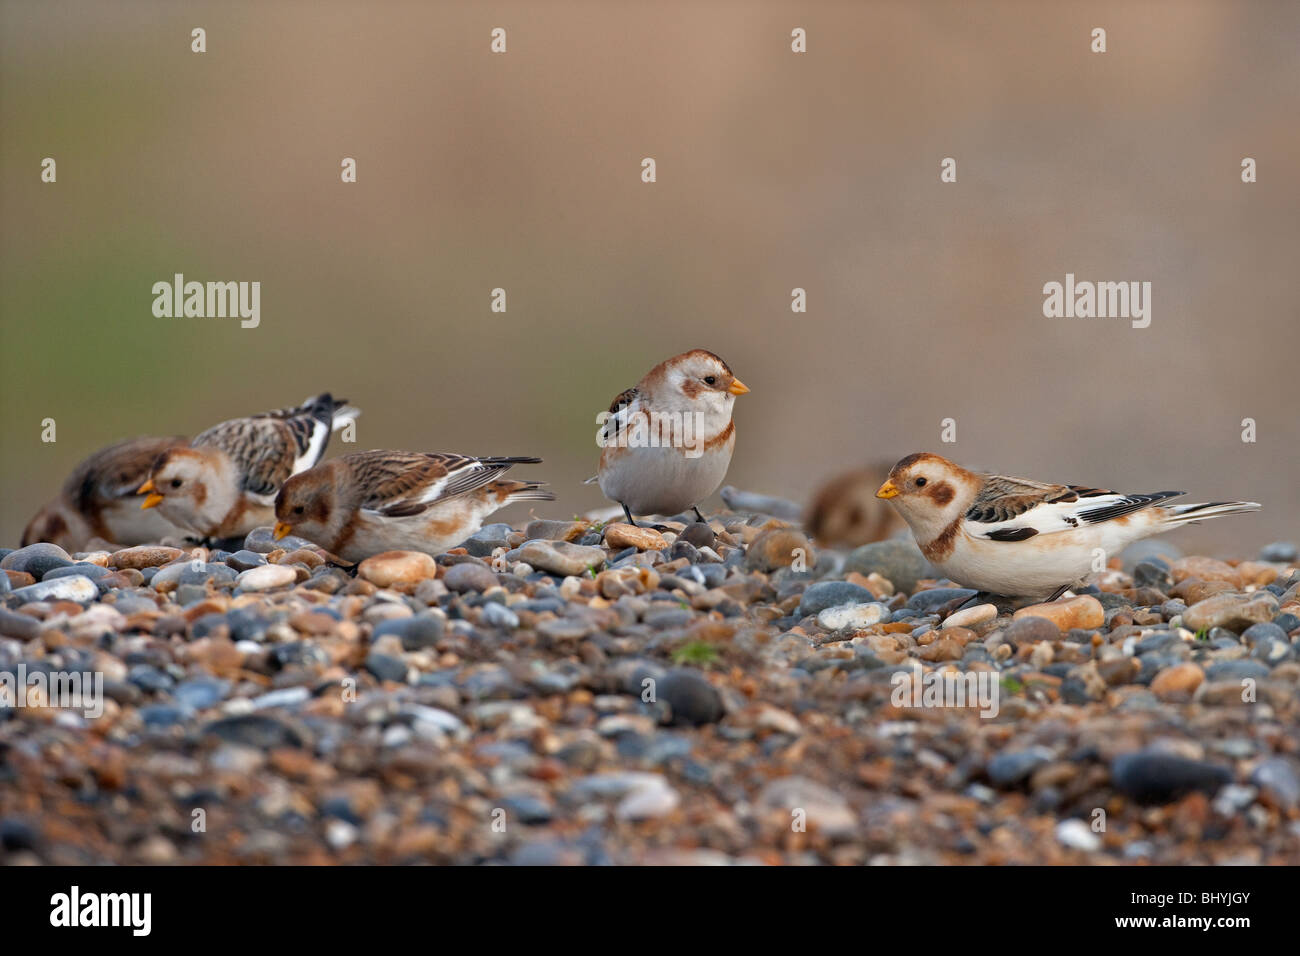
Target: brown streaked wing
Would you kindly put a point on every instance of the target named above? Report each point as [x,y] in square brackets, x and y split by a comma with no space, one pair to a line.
[264,449]
[1003,498]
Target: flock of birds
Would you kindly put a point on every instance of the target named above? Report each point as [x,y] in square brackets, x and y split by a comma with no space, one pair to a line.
[665,447]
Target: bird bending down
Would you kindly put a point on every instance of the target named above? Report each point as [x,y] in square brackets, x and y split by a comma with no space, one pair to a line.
[666,442]
[361,504]
[223,484]
[1023,538]
[98,500]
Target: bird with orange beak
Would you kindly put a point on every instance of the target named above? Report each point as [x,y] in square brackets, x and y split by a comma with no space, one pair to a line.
[666,442]
[223,484]
[1022,538]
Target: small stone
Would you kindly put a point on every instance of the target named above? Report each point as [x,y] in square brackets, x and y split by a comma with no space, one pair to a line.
[971,616]
[20,626]
[1204,569]
[825,812]
[855,616]
[825,594]
[263,541]
[36,559]
[397,567]
[559,557]
[554,530]
[260,731]
[648,802]
[144,556]
[386,667]
[469,576]
[1012,767]
[692,699]
[897,559]
[1281,552]
[1236,612]
[1153,776]
[779,548]
[1077,835]
[77,588]
[266,578]
[1278,782]
[621,535]
[698,534]
[1084,611]
[1178,682]
[421,630]
[246,560]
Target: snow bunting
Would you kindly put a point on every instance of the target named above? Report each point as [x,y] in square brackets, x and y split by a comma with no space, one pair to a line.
[667,442]
[1016,537]
[845,511]
[361,504]
[223,483]
[98,500]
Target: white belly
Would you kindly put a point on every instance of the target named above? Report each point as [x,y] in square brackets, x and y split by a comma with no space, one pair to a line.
[664,481]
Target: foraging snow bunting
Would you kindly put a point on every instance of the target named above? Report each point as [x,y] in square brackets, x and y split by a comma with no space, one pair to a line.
[846,513]
[223,483]
[98,500]
[667,442]
[361,504]
[1016,537]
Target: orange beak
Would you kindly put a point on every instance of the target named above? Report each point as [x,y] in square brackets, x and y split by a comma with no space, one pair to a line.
[281,529]
[888,490]
[737,387]
[146,487]
[153,501]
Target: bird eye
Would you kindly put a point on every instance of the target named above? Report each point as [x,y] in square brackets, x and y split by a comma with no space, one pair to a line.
[176,482]
[298,510]
[710,380]
[920,482]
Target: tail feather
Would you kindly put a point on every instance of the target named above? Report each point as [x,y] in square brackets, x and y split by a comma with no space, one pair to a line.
[511,491]
[1187,514]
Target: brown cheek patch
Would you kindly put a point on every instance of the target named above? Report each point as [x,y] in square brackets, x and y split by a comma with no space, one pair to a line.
[691,388]
[941,494]
[200,494]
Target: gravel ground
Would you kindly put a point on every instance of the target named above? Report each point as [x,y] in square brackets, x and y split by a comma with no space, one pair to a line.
[575,693]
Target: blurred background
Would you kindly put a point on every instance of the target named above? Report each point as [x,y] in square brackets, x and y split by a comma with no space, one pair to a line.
[775,171]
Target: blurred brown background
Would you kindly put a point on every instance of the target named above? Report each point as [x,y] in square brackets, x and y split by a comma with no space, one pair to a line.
[775,170]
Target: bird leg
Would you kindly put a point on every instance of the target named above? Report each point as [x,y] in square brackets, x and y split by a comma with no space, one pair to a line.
[632,522]
[698,517]
[1056,595]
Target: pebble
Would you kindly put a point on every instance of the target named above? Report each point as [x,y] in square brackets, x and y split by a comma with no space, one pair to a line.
[144,556]
[36,559]
[779,548]
[827,594]
[397,567]
[559,557]
[1235,612]
[78,588]
[620,535]
[899,560]
[266,578]
[1077,835]
[971,616]
[855,616]
[469,577]
[1084,611]
[1153,776]
[690,697]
